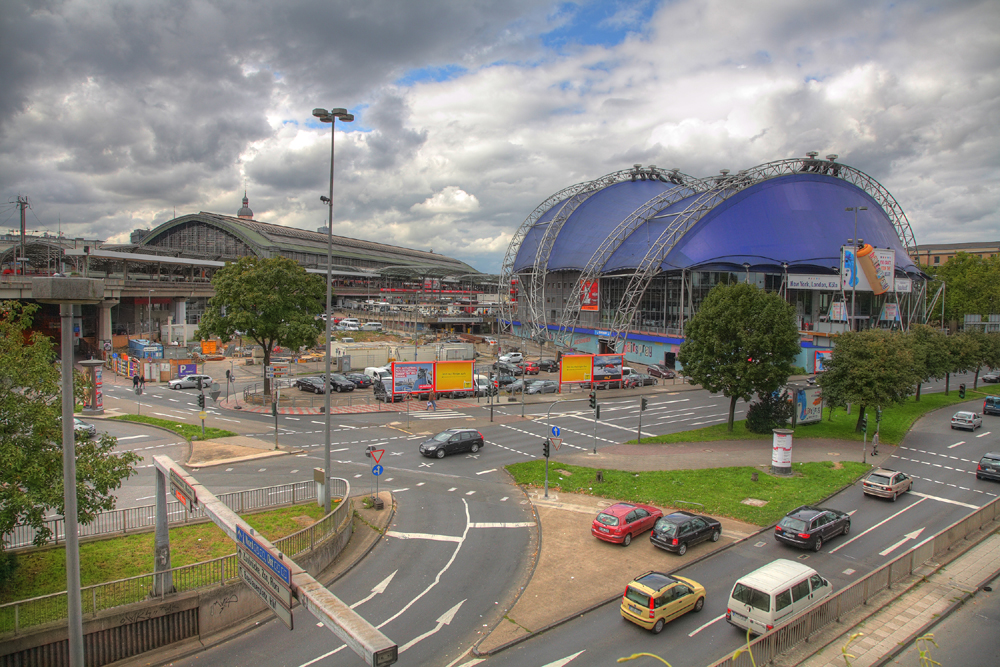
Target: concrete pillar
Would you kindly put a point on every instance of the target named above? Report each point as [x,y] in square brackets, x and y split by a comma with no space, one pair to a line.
[104,324]
[180,317]
[164,583]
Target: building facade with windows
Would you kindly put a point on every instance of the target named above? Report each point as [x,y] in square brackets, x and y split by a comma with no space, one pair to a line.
[938,254]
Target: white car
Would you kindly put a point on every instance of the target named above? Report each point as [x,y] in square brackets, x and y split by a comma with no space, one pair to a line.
[969,420]
[190,381]
[512,357]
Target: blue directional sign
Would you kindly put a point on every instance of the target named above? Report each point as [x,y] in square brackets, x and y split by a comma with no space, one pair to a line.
[269,559]
[555,431]
[377,470]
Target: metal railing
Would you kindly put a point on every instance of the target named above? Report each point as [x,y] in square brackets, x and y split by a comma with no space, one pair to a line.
[16,616]
[144,517]
[800,628]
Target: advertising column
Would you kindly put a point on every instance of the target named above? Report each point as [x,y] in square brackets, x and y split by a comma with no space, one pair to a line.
[781,452]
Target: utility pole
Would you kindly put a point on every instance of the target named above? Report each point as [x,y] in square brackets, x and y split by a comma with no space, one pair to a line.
[22,203]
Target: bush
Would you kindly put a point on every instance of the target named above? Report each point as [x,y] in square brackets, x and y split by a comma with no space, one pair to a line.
[8,567]
[768,412]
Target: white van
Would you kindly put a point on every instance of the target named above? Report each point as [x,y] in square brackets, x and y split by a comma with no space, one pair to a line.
[372,326]
[770,595]
[378,373]
[483,386]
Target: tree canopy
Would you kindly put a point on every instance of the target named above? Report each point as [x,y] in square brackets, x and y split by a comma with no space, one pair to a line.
[741,342]
[874,367]
[972,286]
[272,301]
[930,353]
[31,468]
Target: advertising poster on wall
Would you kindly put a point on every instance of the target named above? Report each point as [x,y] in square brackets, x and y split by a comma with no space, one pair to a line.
[608,367]
[890,313]
[453,376]
[868,269]
[576,368]
[590,296]
[412,376]
[838,311]
[819,361]
[809,405]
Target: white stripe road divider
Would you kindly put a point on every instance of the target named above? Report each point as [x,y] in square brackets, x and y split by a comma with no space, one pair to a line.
[885,520]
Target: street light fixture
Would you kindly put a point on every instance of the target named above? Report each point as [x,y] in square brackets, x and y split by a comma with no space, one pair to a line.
[856,243]
[331,117]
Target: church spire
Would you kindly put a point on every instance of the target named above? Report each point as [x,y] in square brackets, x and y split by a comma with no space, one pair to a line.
[245,213]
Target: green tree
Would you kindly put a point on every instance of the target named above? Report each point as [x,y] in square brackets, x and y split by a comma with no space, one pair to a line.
[272,301]
[873,367]
[988,355]
[930,353]
[741,342]
[962,353]
[31,468]
[972,286]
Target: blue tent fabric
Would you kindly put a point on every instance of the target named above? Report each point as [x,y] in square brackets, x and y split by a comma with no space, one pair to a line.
[796,219]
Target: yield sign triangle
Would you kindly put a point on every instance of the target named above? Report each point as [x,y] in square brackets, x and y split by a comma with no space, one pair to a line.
[377,455]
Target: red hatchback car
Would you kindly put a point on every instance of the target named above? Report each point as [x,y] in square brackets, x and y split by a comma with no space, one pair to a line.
[623,521]
[530,368]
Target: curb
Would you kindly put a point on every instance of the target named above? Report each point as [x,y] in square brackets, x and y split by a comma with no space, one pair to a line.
[392,514]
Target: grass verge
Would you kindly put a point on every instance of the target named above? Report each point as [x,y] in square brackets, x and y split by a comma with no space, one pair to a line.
[43,571]
[720,491]
[187,431]
[896,422]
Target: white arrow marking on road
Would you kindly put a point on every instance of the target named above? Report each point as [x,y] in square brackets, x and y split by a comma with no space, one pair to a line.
[717,618]
[909,536]
[563,661]
[379,588]
[945,500]
[860,535]
[961,442]
[483,472]
[443,620]
[133,437]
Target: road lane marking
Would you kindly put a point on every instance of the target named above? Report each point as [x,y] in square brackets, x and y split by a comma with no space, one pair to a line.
[443,620]
[509,524]
[483,472]
[714,620]
[400,490]
[562,662]
[960,442]
[886,520]
[424,536]
[946,500]
[906,538]
[132,437]
[379,588]
[983,434]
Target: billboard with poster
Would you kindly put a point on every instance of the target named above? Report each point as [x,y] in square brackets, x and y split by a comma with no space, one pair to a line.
[867,269]
[590,295]
[412,376]
[890,313]
[819,361]
[576,368]
[608,367]
[453,376]
[808,405]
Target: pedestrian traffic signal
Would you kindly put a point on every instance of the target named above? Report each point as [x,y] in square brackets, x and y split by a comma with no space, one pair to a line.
[642,405]
[878,415]
[864,424]
[961,390]
[201,401]
[545,448]
[593,400]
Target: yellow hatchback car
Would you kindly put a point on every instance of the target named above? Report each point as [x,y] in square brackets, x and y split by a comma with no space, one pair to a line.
[653,599]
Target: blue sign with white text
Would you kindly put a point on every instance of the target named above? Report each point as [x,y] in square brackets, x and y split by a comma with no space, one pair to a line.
[264,555]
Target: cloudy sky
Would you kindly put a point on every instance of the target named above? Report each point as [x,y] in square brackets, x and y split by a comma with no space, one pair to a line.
[469,113]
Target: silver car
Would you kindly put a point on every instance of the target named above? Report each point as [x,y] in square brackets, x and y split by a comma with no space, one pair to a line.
[83,429]
[542,387]
[190,381]
[969,420]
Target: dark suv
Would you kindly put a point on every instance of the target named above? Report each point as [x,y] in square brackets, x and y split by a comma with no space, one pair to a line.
[452,441]
[989,467]
[809,527]
[679,530]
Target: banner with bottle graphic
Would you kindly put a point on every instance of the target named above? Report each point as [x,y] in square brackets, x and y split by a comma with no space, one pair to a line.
[867,269]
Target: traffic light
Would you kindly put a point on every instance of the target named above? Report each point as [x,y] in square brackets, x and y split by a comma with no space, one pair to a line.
[593,400]
[878,415]
[642,405]
[545,448]
[864,424]
[201,401]
[961,390]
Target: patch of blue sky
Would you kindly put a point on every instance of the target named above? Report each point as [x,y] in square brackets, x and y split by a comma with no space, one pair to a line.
[357,125]
[432,74]
[597,23]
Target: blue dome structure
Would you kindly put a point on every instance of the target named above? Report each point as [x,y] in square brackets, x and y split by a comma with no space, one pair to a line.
[645,228]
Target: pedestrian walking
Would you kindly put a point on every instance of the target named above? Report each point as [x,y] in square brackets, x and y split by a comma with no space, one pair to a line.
[135,381]
[875,444]
[432,401]
[142,382]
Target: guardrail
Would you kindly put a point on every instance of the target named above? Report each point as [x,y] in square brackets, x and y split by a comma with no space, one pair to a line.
[136,518]
[16,616]
[800,628]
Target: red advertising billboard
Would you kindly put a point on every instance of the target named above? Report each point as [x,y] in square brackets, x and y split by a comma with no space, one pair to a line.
[589,295]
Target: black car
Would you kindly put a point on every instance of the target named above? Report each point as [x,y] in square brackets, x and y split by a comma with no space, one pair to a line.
[989,467]
[639,380]
[452,441]
[360,380]
[507,369]
[661,371]
[503,380]
[548,365]
[315,385]
[339,382]
[809,527]
[679,530]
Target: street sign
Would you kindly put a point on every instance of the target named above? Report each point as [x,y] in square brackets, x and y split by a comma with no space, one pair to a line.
[377,470]
[277,588]
[264,594]
[182,490]
[266,556]
[556,442]
[279,370]
[202,414]
[556,431]
[377,455]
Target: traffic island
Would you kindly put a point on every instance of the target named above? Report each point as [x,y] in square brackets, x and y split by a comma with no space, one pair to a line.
[234,449]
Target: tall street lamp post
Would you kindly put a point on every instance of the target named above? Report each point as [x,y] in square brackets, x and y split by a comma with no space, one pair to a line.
[68,292]
[331,117]
[856,243]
